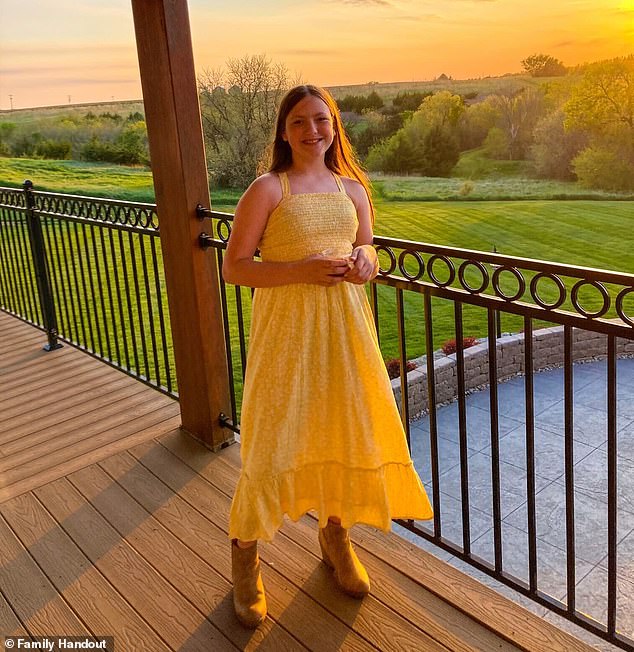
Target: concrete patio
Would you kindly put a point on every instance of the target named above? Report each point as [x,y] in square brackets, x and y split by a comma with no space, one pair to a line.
[590,474]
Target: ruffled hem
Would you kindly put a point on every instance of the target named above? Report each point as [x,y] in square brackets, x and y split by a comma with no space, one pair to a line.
[371,496]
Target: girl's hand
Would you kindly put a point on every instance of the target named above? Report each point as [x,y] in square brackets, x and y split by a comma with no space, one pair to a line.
[321,270]
[365,265]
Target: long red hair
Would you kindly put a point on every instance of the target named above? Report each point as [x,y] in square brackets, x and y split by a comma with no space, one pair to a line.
[340,157]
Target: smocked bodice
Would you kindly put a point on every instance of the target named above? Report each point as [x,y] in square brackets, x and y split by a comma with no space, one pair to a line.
[309,223]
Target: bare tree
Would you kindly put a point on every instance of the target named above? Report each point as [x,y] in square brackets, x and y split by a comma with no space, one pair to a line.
[519,112]
[238,106]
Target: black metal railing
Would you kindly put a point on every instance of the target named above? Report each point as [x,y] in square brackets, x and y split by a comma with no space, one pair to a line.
[432,292]
[109,300]
[89,272]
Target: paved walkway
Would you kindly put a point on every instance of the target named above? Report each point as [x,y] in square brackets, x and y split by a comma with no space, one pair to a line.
[590,454]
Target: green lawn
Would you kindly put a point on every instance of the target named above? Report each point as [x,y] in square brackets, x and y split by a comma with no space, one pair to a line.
[91,179]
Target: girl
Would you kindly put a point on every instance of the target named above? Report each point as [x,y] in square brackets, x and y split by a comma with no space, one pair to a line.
[320,429]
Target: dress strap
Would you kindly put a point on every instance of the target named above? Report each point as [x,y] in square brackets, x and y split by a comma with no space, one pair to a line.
[339,182]
[286,186]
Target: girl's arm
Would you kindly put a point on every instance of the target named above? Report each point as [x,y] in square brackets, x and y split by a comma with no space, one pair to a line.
[366,263]
[251,216]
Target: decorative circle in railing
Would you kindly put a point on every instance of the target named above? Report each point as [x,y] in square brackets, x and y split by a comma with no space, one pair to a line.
[223,229]
[620,310]
[385,271]
[450,268]
[403,267]
[462,276]
[558,283]
[521,283]
[574,298]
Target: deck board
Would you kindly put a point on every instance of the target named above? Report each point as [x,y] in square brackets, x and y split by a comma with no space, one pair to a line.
[114,522]
[86,590]
[62,410]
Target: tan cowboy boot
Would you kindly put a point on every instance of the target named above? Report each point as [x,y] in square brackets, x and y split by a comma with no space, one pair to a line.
[249,601]
[338,554]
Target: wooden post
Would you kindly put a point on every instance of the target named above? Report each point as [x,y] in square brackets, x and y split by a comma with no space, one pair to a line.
[172,112]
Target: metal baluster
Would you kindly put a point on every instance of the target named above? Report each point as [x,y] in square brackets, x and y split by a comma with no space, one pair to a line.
[107,351]
[612,486]
[9,278]
[400,316]
[117,284]
[431,402]
[159,295]
[139,306]
[530,455]
[150,312]
[495,439]
[126,285]
[16,267]
[83,342]
[569,472]
[462,424]
[241,333]
[91,307]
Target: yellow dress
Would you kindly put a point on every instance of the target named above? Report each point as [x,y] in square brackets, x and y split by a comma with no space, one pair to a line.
[320,429]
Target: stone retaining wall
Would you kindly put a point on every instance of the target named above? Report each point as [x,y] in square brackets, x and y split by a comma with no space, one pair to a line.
[548,351]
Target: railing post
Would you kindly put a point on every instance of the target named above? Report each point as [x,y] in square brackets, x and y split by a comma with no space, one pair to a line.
[44,291]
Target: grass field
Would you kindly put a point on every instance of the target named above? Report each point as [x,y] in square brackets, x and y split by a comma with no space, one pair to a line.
[90,179]
[483,86]
[25,116]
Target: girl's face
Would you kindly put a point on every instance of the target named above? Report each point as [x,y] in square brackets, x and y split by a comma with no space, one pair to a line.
[308,128]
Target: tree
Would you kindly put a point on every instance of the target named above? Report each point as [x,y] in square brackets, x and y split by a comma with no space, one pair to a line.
[519,112]
[132,145]
[409,100]
[238,107]
[475,123]
[543,65]
[602,104]
[604,99]
[555,147]
[427,143]
[374,128]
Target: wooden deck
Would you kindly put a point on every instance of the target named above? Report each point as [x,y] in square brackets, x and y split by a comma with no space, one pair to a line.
[114,522]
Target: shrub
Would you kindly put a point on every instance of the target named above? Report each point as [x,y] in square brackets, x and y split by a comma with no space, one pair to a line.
[449,346]
[393,367]
[52,149]
[599,167]
[97,150]
[466,188]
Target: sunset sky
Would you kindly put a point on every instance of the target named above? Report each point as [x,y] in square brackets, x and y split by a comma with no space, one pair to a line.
[53,49]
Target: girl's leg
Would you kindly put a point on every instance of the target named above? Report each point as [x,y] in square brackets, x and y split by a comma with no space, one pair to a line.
[249,600]
[338,554]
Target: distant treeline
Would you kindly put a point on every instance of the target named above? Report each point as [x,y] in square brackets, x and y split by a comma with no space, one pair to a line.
[574,127]
[578,125]
[109,137]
